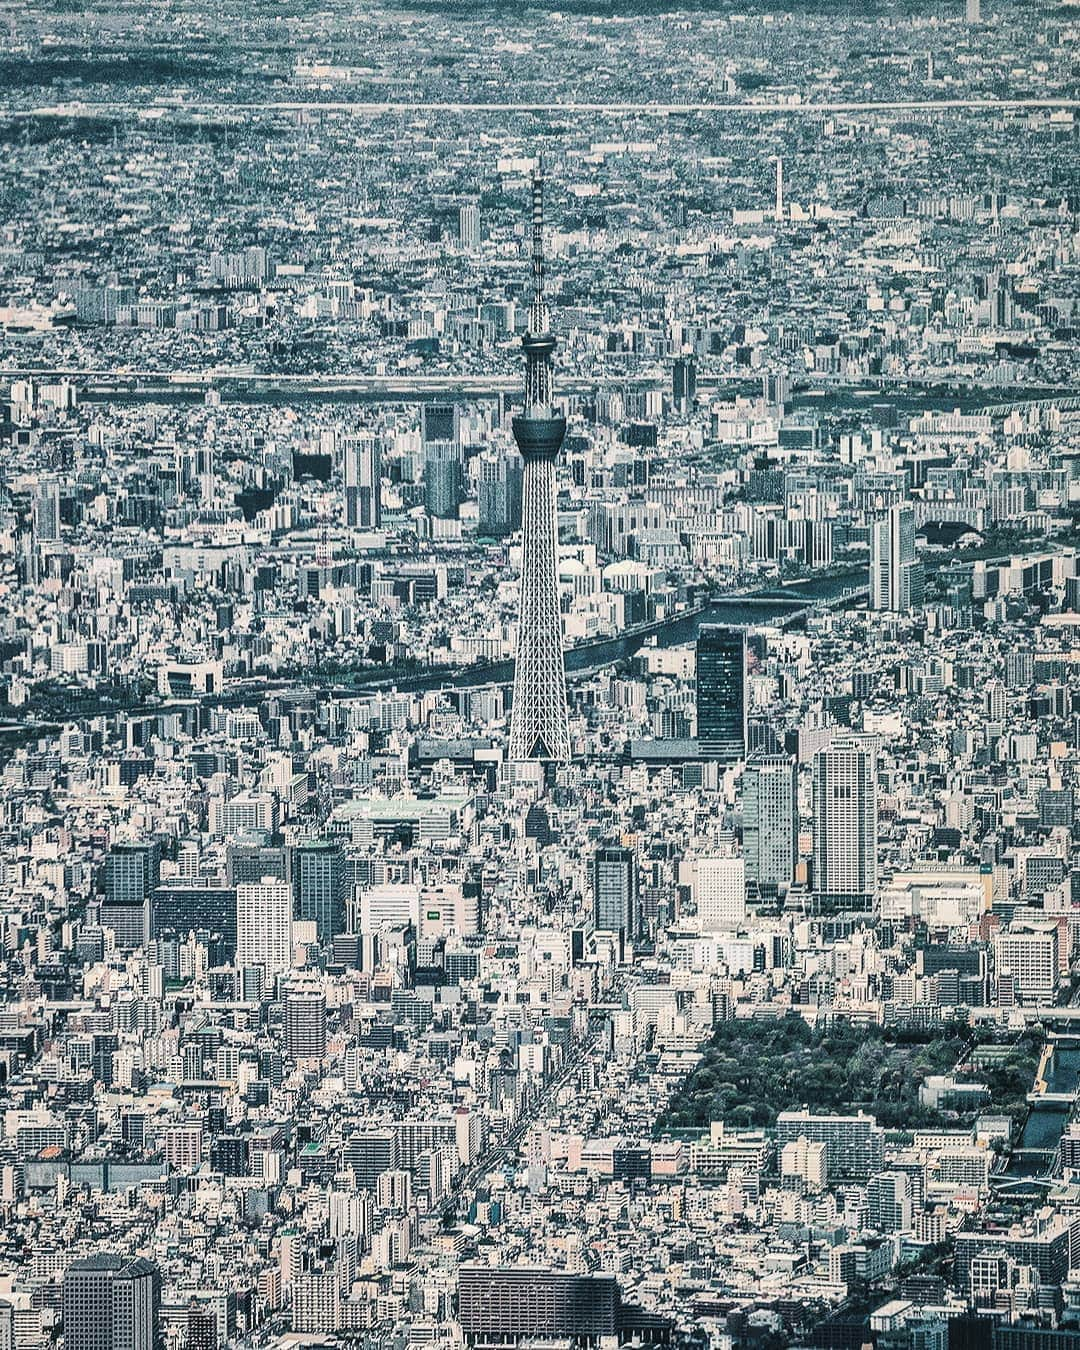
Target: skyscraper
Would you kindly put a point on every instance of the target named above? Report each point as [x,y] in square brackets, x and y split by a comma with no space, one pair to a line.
[770,822]
[443,478]
[86,1300]
[443,467]
[614,890]
[305,1022]
[469,225]
[362,473]
[721,692]
[973,11]
[895,573]
[845,826]
[45,510]
[111,1304]
[539,727]
[264,925]
[720,893]
[499,494]
[438,422]
[318,875]
[132,872]
[136,1303]
[684,382]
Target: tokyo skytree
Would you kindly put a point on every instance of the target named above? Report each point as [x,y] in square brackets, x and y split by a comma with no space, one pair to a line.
[539,726]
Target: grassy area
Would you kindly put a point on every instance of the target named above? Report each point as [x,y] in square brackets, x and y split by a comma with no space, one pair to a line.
[752,1070]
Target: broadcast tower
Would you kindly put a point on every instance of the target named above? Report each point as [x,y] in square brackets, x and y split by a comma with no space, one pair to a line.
[539,727]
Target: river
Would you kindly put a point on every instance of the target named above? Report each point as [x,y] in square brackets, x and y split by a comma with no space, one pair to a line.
[1044,1124]
[764,608]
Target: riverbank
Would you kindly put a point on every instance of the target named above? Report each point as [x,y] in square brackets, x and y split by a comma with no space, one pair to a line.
[1033,1158]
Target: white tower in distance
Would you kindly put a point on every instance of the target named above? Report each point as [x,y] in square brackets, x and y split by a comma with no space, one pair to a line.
[539,725]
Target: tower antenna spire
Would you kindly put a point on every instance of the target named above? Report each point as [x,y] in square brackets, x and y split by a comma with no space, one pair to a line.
[538,230]
[539,323]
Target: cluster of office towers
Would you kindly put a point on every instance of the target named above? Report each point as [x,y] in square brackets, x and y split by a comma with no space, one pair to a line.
[842,876]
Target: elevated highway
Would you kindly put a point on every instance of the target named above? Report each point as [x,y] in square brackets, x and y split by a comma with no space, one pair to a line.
[238,384]
[749,108]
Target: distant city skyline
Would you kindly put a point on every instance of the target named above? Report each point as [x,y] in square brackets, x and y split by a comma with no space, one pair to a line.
[540,739]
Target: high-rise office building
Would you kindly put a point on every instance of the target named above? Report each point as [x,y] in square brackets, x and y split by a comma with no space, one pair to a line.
[684,383]
[510,1304]
[1057,808]
[368,1154]
[136,1305]
[614,880]
[499,494]
[202,1327]
[469,226]
[109,1303]
[318,876]
[130,876]
[198,905]
[1019,669]
[720,893]
[540,726]
[249,859]
[131,872]
[845,826]
[305,1022]
[86,1302]
[721,692]
[264,925]
[443,478]
[973,11]
[362,477]
[770,822]
[45,510]
[438,422]
[896,577]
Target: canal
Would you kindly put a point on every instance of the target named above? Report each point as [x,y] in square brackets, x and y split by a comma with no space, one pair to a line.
[1044,1124]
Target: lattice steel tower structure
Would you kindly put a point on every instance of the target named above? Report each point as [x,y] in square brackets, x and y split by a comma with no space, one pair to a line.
[539,726]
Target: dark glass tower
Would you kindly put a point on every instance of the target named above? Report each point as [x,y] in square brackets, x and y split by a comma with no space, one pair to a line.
[615,891]
[318,876]
[721,692]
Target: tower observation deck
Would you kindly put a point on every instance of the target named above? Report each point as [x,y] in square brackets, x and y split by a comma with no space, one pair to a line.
[539,725]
